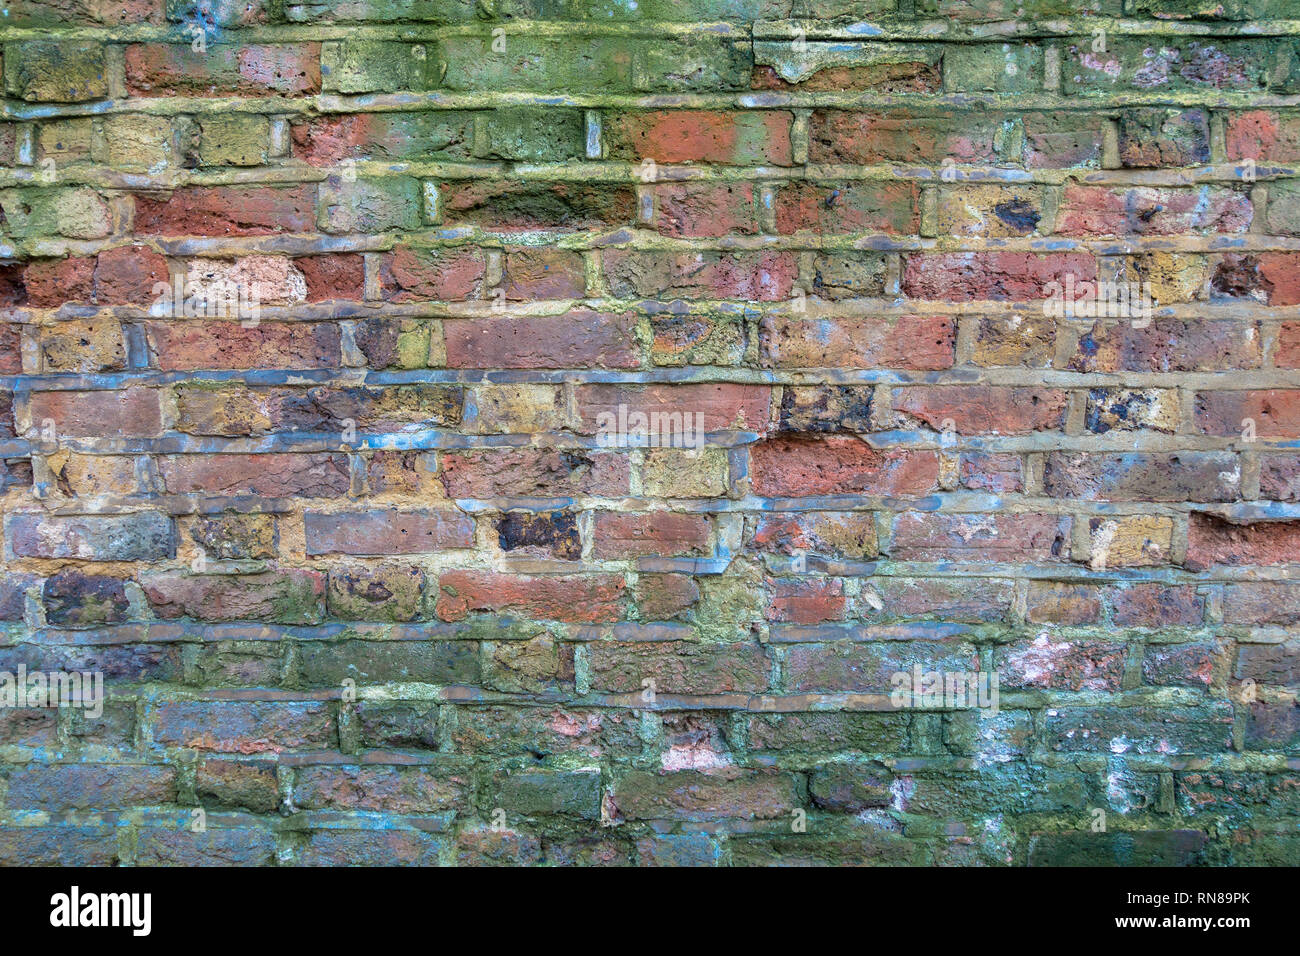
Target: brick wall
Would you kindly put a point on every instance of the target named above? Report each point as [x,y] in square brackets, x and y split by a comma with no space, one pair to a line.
[371,577]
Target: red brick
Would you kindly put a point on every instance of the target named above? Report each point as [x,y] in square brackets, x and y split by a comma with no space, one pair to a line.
[1105,211]
[997,276]
[1279,477]
[287,596]
[840,534]
[1288,345]
[11,354]
[693,210]
[909,342]
[387,532]
[701,136]
[544,273]
[51,282]
[1157,605]
[370,848]
[1181,665]
[588,599]
[797,467]
[227,211]
[919,75]
[129,275]
[662,596]
[848,207]
[930,536]
[690,795]
[1139,476]
[319,475]
[963,600]
[61,787]
[718,406]
[579,339]
[13,288]
[1212,541]
[533,473]
[409,274]
[244,726]
[1261,602]
[753,276]
[327,140]
[1000,474]
[899,136]
[1277,665]
[238,783]
[1279,274]
[1169,345]
[392,789]
[616,535]
[157,69]
[869,667]
[1061,664]
[1263,135]
[981,409]
[1054,602]
[1275,412]
[520,206]
[677,667]
[806,600]
[130,413]
[186,346]
[338,276]
[106,13]
[164,846]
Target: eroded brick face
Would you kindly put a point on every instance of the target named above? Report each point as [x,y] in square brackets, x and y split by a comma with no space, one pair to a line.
[400,441]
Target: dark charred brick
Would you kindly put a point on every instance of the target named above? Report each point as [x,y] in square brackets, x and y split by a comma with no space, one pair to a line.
[75,599]
[554,533]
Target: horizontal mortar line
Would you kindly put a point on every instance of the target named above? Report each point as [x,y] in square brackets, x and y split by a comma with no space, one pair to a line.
[427,439]
[992,631]
[158,106]
[769,702]
[506,628]
[179,443]
[180,505]
[972,503]
[629,173]
[885,28]
[1226,380]
[812,309]
[629,237]
[1075,572]
[327,103]
[413,30]
[779,99]
[764,701]
[180,817]
[892,29]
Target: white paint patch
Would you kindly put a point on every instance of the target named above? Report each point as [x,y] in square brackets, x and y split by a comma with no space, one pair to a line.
[902,790]
[697,755]
[1040,660]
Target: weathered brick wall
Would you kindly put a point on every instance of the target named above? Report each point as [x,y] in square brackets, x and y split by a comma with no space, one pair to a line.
[368,583]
